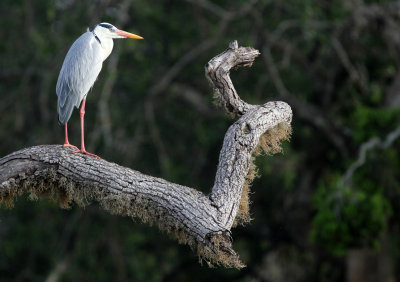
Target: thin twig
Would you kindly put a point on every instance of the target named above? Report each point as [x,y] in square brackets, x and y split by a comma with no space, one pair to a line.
[374,142]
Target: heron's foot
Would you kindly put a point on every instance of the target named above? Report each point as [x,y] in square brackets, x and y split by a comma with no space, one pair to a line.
[85,153]
[69,145]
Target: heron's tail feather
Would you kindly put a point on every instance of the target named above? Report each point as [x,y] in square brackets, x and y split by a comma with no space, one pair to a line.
[65,111]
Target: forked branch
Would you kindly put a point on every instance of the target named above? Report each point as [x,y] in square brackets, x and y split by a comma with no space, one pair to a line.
[202,221]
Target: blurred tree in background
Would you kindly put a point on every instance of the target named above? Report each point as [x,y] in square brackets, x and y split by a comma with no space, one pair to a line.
[326,210]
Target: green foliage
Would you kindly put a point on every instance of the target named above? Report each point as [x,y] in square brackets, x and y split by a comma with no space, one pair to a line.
[349,217]
[372,121]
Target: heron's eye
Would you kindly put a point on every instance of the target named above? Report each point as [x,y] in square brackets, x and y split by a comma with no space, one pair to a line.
[111,29]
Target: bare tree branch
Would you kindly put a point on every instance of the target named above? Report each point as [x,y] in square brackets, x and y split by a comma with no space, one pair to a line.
[194,98]
[354,74]
[372,143]
[211,7]
[60,269]
[202,221]
[305,111]
[161,84]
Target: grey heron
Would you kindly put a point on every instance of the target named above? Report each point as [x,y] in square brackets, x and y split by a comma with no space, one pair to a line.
[80,69]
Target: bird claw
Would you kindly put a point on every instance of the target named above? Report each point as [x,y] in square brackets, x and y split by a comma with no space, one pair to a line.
[85,153]
[69,145]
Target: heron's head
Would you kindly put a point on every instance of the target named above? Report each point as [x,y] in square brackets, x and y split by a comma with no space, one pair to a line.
[106,30]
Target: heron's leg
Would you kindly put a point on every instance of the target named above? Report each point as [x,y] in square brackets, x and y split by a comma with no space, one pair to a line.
[66,142]
[82,115]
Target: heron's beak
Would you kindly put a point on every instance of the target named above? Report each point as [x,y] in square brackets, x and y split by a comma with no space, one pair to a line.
[127,34]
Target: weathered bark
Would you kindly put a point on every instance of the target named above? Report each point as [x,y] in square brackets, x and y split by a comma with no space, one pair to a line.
[202,221]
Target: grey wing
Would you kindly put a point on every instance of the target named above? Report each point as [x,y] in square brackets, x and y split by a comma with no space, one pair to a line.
[81,66]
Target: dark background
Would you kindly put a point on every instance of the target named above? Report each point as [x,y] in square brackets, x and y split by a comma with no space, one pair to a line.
[315,218]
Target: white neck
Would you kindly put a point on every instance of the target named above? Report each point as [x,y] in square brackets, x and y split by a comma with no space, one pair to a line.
[106,44]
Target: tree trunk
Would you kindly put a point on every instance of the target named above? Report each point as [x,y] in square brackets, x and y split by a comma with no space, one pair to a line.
[202,221]
[365,265]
